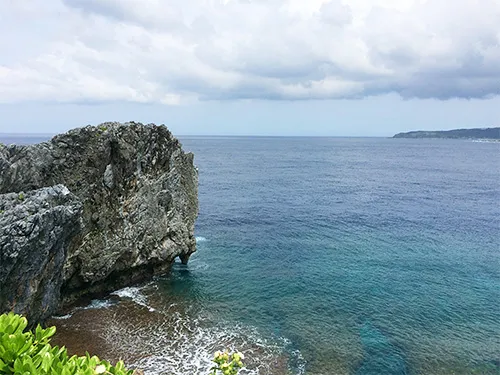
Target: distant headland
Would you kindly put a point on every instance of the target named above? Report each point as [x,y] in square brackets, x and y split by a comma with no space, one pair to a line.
[478,133]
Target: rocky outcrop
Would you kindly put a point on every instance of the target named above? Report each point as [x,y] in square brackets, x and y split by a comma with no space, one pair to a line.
[36,229]
[138,196]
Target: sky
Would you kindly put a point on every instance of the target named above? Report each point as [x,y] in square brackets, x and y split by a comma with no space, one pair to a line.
[250,67]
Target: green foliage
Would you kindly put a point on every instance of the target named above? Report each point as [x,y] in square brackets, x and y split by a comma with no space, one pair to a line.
[20,196]
[23,352]
[227,363]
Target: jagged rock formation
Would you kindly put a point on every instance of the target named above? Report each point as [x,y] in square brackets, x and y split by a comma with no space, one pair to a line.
[36,229]
[138,192]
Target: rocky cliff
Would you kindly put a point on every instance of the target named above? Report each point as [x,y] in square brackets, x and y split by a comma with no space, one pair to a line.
[125,211]
[36,229]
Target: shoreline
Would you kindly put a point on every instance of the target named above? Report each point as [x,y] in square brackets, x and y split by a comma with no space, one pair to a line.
[161,336]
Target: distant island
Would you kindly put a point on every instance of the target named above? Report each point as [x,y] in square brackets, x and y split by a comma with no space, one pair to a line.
[483,133]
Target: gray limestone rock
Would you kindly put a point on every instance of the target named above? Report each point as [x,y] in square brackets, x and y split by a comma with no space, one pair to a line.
[36,231]
[138,191]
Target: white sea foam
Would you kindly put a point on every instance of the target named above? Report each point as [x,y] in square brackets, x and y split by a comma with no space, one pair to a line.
[301,362]
[176,338]
[94,304]
[62,317]
[97,304]
[173,339]
[135,294]
[486,141]
[190,350]
[200,239]
[170,341]
[196,264]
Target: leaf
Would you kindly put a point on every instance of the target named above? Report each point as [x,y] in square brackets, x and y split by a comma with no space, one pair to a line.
[29,353]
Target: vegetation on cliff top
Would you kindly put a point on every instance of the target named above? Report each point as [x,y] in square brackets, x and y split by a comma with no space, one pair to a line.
[483,133]
[25,352]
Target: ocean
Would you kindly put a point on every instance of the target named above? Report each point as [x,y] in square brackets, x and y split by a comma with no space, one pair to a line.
[322,256]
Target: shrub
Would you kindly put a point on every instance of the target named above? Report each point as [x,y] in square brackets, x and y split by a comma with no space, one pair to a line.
[227,363]
[23,352]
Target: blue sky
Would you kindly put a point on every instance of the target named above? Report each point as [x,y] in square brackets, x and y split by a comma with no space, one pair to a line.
[250,67]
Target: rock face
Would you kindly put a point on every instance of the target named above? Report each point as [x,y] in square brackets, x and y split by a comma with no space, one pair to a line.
[138,195]
[36,229]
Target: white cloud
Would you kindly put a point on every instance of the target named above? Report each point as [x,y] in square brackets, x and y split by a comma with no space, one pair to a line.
[168,51]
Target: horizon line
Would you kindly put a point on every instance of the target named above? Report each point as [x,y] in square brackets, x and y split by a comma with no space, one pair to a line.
[34,135]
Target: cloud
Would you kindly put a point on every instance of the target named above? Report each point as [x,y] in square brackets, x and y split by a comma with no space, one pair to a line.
[169,51]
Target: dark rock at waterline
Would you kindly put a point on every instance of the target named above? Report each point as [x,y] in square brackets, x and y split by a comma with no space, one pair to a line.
[36,229]
[138,196]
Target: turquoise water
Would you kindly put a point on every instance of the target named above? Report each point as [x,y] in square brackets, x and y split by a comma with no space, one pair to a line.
[323,256]
[369,256]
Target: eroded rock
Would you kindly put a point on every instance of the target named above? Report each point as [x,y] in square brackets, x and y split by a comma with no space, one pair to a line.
[36,231]
[138,192]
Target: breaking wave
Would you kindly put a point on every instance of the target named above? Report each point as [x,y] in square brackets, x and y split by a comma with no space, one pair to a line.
[171,338]
[135,294]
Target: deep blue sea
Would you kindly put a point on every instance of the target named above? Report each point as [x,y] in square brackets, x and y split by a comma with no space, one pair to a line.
[325,256]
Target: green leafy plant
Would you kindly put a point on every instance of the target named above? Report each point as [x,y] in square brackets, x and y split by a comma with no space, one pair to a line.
[20,196]
[23,352]
[227,363]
